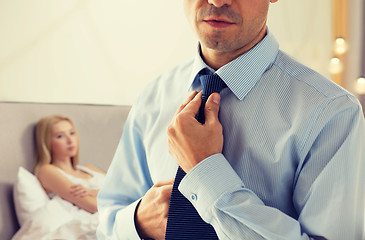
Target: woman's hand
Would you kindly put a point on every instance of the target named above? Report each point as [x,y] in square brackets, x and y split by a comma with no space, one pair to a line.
[80,191]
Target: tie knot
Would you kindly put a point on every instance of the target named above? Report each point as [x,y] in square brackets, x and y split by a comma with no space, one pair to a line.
[211,83]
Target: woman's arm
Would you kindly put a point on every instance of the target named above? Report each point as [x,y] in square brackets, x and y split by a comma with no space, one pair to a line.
[55,182]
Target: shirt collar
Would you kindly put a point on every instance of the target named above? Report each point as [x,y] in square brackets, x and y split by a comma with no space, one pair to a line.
[242,74]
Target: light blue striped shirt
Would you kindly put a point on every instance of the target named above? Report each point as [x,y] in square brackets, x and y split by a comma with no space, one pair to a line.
[292,165]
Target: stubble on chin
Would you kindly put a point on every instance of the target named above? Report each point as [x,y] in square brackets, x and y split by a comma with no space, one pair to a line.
[216,41]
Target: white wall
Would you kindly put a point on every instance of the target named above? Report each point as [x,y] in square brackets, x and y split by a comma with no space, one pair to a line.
[304,30]
[354,57]
[90,51]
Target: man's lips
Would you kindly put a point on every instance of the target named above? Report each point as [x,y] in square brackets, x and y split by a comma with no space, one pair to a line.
[218,23]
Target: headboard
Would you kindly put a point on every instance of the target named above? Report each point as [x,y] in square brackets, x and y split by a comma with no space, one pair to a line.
[99,127]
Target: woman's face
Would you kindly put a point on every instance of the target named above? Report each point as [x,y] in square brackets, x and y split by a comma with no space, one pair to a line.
[64,141]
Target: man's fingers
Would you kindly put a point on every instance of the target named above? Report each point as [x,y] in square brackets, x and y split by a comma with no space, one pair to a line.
[167,189]
[191,97]
[163,183]
[193,106]
[212,108]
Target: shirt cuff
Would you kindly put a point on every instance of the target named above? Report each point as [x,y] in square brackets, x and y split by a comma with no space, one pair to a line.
[125,227]
[207,181]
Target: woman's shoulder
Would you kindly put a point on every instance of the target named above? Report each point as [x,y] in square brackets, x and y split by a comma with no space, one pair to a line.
[47,167]
[50,178]
[46,170]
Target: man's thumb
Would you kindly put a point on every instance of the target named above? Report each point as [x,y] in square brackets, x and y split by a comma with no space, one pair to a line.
[212,107]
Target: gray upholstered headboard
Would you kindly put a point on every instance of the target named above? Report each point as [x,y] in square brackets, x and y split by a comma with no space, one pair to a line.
[99,126]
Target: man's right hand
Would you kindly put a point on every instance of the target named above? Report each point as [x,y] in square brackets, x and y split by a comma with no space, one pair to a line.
[151,214]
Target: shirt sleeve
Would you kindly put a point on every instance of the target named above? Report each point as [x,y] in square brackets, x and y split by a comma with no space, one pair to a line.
[126,182]
[328,191]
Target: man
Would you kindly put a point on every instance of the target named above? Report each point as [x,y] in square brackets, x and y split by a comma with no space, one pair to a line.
[280,155]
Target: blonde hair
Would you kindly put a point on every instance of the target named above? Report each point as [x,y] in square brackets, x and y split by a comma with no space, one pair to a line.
[43,132]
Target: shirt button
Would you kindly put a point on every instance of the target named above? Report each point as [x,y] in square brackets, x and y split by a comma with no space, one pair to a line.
[193,197]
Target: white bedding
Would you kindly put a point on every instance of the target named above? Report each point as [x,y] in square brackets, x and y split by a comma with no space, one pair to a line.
[59,219]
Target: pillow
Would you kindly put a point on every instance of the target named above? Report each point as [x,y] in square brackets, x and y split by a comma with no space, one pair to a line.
[29,195]
[57,220]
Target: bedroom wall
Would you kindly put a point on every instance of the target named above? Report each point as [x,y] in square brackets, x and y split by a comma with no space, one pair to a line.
[87,51]
[356,53]
[104,52]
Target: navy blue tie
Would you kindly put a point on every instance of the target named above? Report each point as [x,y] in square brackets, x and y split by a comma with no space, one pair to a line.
[183,221]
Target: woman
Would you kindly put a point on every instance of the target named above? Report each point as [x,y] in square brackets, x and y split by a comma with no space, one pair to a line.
[57,169]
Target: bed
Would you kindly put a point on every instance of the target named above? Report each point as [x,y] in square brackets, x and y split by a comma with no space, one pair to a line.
[99,127]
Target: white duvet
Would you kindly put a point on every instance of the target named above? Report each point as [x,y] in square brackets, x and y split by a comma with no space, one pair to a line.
[59,219]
